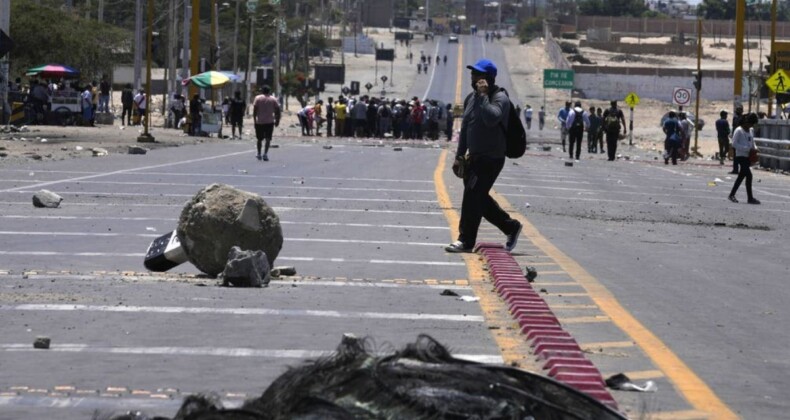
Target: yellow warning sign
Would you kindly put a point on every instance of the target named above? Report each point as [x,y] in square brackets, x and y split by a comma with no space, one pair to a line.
[778,82]
[632,99]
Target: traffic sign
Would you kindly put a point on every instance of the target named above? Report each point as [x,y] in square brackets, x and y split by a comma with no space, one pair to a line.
[681,96]
[632,99]
[558,79]
[778,82]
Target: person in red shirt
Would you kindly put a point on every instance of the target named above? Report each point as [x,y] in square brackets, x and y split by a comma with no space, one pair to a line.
[266,116]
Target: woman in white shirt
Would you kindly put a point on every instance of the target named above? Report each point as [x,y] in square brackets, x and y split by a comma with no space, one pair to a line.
[743,143]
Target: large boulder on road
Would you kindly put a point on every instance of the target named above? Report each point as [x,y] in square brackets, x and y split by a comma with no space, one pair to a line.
[220,217]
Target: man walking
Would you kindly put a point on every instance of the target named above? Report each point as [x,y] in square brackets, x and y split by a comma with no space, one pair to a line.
[528,116]
[723,135]
[562,117]
[541,118]
[266,116]
[577,122]
[330,116]
[592,132]
[612,119]
[485,112]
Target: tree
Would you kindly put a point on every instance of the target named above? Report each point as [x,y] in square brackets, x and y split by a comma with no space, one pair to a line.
[529,29]
[44,35]
[633,8]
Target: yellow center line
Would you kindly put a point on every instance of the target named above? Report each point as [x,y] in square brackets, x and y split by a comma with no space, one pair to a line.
[697,392]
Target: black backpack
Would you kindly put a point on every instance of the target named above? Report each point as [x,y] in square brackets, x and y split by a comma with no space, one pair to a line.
[515,135]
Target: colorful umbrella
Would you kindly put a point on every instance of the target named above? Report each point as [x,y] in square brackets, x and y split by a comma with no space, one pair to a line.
[207,79]
[53,71]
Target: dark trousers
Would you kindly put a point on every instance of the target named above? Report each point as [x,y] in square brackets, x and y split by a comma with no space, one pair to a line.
[264,132]
[672,151]
[329,132]
[126,115]
[477,203]
[340,128]
[611,144]
[592,141]
[745,172]
[575,135]
[724,147]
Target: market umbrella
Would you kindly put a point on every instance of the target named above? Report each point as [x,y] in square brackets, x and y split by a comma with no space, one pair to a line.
[207,79]
[53,71]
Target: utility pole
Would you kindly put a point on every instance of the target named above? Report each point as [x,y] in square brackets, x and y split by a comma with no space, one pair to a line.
[185,52]
[100,14]
[279,21]
[171,47]
[740,16]
[214,48]
[146,137]
[194,45]
[699,86]
[773,56]
[5,26]
[138,43]
[306,40]
[251,6]
[236,43]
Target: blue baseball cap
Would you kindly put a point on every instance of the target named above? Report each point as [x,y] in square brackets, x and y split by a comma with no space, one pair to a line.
[484,65]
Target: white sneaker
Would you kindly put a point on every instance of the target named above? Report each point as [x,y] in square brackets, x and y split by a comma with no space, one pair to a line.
[457,247]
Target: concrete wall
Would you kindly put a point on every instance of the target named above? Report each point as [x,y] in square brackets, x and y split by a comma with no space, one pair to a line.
[656,49]
[607,83]
[668,27]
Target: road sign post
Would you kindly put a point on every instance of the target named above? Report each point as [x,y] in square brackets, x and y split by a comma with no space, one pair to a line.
[681,96]
[632,99]
[557,79]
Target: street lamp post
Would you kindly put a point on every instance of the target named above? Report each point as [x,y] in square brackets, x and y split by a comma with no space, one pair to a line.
[251,6]
[146,137]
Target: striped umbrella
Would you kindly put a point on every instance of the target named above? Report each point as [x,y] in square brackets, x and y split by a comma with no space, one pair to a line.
[53,71]
[207,79]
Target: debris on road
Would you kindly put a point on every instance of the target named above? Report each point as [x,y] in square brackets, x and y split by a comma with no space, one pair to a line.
[448,292]
[219,217]
[284,270]
[137,150]
[397,149]
[164,253]
[421,380]
[98,151]
[568,163]
[621,382]
[46,198]
[532,273]
[246,269]
[41,343]
[328,147]
[469,298]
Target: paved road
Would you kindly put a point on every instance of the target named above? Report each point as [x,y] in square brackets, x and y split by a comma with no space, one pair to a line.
[649,266]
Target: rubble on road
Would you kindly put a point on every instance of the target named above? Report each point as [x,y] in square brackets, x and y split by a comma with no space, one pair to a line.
[99,151]
[137,150]
[41,343]
[219,217]
[246,269]
[46,199]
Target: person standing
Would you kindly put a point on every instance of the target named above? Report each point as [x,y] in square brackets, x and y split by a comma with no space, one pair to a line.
[576,123]
[599,134]
[360,117]
[94,101]
[265,116]
[736,122]
[318,115]
[613,121]
[541,118]
[685,129]
[562,117]
[237,109]
[127,99]
[723,135]
[528,116]
[330,116]
[195,114]
[450,122]
[672,139]
[340,117]
[86,103]
[104,95]
[140,104]
[592,132]
[743,143]
[482,137]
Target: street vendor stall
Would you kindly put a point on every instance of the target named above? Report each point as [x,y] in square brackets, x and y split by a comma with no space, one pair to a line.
[211,117]
[61,107]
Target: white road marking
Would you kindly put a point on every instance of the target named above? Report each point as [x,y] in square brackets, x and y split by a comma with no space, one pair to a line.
[287,239]
[213,351]
[244,311]
[243,186]
[94,194]
[276,208]
[279,258]
[122,171]
[171,219]
[433,73]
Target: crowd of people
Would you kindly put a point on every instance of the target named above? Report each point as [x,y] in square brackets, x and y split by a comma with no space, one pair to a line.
[599,124]
[371,117]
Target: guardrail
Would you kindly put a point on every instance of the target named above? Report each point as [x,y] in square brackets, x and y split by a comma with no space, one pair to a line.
[773,141]
[774,154]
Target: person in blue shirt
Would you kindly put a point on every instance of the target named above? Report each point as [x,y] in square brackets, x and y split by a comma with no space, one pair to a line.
[723,134]
[673,139]
[562,117]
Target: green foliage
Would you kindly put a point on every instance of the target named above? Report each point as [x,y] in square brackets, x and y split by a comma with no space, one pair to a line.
[529,29]
[755,10]
[43,35]
[633,8]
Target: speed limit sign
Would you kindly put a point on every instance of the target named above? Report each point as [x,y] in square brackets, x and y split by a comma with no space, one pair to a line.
[681,96]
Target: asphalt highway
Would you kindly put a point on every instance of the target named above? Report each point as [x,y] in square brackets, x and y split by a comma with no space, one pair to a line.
[649,266]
